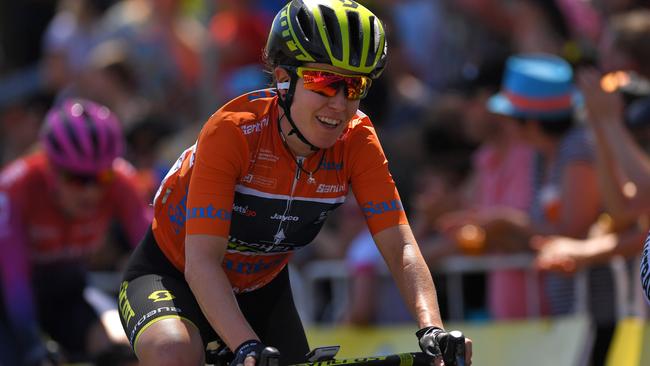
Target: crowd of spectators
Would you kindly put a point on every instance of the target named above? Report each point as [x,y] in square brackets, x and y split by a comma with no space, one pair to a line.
[475,179]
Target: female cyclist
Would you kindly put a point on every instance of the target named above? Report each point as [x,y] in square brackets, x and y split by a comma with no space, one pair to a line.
[267,169]
[56,206]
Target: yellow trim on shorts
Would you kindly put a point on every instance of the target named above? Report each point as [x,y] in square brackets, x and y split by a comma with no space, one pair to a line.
[135,341]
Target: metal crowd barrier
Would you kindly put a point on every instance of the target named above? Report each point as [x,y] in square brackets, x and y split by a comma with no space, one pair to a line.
[455,267]
[629,299]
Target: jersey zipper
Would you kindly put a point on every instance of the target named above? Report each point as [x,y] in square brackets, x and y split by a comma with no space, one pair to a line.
[284,224]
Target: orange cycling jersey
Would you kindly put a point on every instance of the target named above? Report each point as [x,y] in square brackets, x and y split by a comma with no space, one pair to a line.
[240,182]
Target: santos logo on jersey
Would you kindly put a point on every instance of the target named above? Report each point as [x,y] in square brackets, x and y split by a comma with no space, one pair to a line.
[371,209]
[207,213]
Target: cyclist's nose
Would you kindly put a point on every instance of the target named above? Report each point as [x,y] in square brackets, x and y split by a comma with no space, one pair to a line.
[338,102]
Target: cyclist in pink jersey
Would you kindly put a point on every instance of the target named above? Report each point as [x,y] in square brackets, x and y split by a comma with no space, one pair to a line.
[56,206]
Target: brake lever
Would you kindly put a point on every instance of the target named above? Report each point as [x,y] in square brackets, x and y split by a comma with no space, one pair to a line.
[454,348]
[270,357]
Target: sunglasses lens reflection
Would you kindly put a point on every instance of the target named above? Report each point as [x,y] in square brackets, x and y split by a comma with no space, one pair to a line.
[328,83]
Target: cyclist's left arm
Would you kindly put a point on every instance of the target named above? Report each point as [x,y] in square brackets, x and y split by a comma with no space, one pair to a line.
[402,255]
[412,276]
[375,191]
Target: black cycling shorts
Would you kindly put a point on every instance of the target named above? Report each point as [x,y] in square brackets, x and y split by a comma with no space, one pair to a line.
[153,289]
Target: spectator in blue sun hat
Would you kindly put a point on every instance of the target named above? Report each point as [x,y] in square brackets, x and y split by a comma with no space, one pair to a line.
[536,86]
[538,93]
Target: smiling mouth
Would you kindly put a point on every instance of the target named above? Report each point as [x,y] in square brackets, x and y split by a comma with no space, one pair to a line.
[329,122]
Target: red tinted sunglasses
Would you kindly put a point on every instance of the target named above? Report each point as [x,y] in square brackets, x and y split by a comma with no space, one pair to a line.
[76,179]
[328,83]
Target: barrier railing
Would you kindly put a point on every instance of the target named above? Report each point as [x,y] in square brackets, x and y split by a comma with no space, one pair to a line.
[629,300]
[455,267]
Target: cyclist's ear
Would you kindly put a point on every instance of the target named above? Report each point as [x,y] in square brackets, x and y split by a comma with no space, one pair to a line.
[281,75]
[282,79]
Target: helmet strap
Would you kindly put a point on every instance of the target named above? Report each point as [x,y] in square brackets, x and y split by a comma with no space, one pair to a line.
[286,101]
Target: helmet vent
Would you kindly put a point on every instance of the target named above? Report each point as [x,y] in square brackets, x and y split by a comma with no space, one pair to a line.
[356,38]
[305,26]
[52,141]
[374,42]
[92,129]
[71,134]
[333,31]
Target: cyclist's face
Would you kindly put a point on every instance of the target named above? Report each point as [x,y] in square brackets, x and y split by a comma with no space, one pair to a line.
[321,118]
[78,196]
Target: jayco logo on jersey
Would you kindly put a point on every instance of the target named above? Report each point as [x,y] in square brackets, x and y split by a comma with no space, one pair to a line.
[284,217]
[208,212]
[371,209]
[255,127]
[244,211]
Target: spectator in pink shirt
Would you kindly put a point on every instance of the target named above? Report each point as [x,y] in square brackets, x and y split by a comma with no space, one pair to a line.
[501,178]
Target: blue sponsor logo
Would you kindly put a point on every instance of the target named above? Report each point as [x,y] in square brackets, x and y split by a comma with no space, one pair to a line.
[251,268]
[177,214]
[208,212]
[371,208]
[331,165]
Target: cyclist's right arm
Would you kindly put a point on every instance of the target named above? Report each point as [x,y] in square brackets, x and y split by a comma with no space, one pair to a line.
[15,276]
[212,288]
[212,187]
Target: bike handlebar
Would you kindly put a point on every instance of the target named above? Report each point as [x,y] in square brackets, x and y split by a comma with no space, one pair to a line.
[399,359]
[453,347]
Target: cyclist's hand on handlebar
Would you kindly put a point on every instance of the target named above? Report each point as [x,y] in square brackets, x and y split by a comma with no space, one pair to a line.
[456,349]
[248,353]
[428,340]
[452,348]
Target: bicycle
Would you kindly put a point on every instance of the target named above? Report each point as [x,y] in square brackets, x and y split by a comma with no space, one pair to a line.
[452,346]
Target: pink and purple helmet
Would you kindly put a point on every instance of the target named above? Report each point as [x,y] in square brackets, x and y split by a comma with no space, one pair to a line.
[82,136]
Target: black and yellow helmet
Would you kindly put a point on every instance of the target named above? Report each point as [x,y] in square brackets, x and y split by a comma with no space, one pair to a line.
[341,33]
